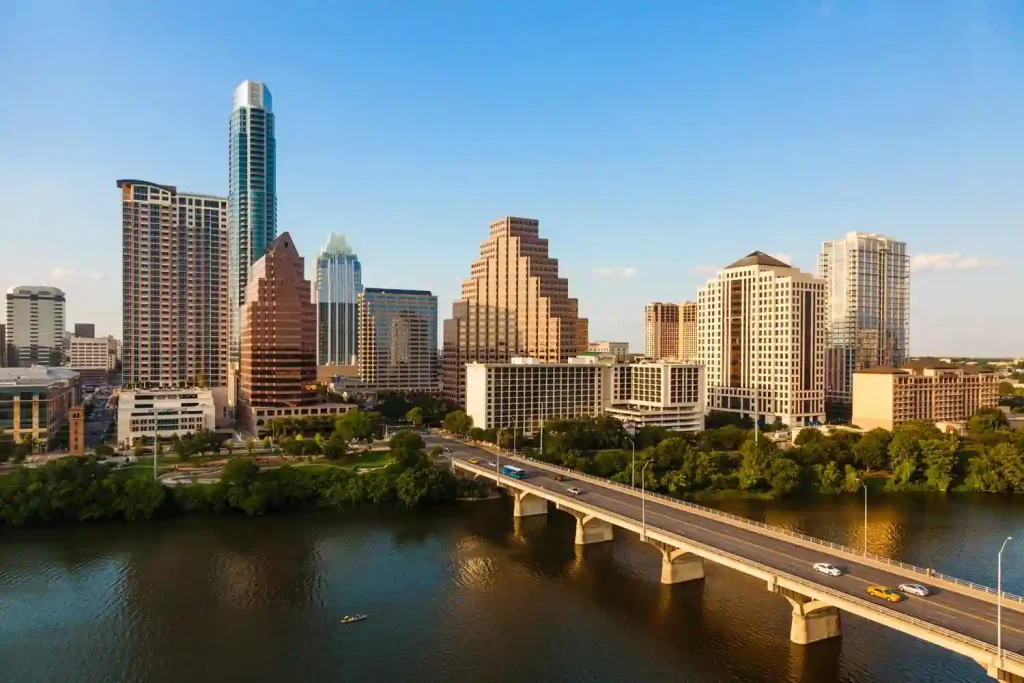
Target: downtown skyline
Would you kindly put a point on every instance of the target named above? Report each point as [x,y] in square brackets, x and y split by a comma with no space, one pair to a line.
[411,208]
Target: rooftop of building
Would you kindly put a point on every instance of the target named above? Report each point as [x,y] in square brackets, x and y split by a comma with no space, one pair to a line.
[758,258]
[336,244]
[919,365]
[35,375]
[391,290]
[35,289]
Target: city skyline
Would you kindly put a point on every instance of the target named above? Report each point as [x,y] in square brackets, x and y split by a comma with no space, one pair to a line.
[708,182]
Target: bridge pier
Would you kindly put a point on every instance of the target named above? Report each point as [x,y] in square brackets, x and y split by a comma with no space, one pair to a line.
[528,505]
[678,565]
[813,621]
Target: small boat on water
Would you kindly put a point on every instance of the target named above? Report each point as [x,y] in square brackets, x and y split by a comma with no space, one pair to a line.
[351,618]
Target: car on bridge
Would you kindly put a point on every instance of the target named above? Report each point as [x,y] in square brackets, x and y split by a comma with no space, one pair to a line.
[573,491]
[883,593]
[473,461]
[829,569]
[915,589]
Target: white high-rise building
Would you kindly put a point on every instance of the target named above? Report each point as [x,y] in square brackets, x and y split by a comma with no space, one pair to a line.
[35,326]
[867,280]
[336,289]
[761,329]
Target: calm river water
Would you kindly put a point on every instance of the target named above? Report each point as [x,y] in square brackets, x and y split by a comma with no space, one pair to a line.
[460,593]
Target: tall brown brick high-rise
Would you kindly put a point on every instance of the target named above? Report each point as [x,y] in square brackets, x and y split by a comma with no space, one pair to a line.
[513,304]
[278,332]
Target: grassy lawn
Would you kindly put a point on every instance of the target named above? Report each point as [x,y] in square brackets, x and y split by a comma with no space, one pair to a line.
[365,460]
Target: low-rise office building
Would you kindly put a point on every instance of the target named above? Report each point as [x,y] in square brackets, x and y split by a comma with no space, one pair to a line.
[619,350]
[34,402]
[524,393]
[148,413]
[887,397]
[91,357]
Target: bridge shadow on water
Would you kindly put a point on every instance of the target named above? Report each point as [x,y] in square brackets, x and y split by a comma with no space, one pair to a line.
[727,616]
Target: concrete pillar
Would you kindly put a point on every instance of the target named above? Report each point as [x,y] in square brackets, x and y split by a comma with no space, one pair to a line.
[528,505]
[680,566]
[812,621]
[592,530]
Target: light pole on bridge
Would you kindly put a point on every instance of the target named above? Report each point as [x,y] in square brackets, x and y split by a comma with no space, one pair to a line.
[865,485]
[643,502]
[999,602]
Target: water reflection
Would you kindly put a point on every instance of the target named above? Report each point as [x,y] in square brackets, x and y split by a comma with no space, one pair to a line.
[460,593]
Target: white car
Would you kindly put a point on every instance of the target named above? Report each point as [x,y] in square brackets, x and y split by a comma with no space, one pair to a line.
[915,589]
[826,568]
[573,491]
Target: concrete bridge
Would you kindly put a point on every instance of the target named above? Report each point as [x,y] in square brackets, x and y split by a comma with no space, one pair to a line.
[959,616]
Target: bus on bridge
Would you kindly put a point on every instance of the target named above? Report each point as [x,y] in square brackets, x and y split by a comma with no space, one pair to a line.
[514,472]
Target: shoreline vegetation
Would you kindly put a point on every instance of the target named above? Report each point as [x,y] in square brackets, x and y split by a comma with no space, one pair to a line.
[88,489]
[724,462]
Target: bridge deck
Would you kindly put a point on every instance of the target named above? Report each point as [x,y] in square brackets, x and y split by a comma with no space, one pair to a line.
[963,614]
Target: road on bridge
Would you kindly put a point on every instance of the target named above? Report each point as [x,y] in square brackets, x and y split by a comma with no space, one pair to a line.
[964,614]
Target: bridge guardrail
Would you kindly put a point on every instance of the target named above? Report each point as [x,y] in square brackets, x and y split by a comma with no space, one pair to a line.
[924,572]
[891,613]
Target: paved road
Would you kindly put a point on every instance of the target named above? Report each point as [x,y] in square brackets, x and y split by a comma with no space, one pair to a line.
[964,614]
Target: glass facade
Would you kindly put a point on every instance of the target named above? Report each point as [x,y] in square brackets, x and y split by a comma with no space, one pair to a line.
[398,339]
[252,191]
[339,282]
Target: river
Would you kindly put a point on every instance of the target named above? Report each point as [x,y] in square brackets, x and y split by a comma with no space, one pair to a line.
[459,593]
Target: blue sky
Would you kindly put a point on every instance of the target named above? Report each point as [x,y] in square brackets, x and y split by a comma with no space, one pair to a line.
[653,141]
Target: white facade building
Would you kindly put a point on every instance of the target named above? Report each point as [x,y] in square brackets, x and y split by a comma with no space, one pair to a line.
[761,328]
[88,353]
[164,412]
[35,326]
[620,350]
[524,393]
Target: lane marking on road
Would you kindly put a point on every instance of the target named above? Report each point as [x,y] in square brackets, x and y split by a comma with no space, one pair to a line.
[932,604]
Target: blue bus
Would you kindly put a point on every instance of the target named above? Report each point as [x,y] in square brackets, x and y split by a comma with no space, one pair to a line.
[513,472]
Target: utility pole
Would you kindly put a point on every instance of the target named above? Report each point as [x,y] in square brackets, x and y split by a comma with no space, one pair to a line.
[999,603]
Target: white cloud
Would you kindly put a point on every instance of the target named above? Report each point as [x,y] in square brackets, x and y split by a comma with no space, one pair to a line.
[785,258]
[954,260]
[61,273]
[615,272]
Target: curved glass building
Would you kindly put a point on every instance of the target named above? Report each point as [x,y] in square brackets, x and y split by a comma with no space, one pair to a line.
[339,282]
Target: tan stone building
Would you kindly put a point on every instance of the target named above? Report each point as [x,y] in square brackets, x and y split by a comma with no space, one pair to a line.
[398,340]
[661,330]
[761,325]
[175,278]
[887,397]
[277,367]
[688,331]
[618,350]
[513,304]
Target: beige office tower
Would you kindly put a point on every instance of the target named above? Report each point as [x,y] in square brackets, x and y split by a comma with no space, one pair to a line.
[761,327]
[688,331]
[175,286]
[661,330]
[513,304]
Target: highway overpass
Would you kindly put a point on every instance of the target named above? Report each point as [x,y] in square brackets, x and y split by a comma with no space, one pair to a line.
[959,616]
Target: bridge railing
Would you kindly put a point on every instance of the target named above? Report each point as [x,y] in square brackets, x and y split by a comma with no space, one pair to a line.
[811,585]
[924,572]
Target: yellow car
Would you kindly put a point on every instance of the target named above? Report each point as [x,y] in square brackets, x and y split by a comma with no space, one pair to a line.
[474,461]
[884,593]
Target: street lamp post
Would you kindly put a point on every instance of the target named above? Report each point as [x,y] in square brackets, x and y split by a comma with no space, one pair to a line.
[632,465]
[999,601]
[643,502]
[865,485]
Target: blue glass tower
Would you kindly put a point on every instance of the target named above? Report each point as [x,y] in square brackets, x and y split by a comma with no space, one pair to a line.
[252,191]
[339,282]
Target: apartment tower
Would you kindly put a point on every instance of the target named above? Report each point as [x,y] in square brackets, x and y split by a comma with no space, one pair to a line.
[252,191]
[339,282]
[867,284]
[688,331]
[174,286]
[35,326]
[661,330]
[398,339]
[761,327]
[513,304]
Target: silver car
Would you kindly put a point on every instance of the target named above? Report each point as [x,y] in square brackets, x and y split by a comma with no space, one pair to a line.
[828,569]
[915,589]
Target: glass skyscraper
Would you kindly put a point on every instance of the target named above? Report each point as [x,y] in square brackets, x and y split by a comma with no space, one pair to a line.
[339,282]
[252,191]
[868,285]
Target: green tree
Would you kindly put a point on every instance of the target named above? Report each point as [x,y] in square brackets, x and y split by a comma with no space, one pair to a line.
[458,422]
[998,469]
[415,416]
[870,452]
[335,448]
[358,425]
[266,443]
[756,462]
[829,477]
[139,448]
[405,442]
[141,498]
[784,475]
[250,446]
[103,451]
[939,456]
[986,421]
